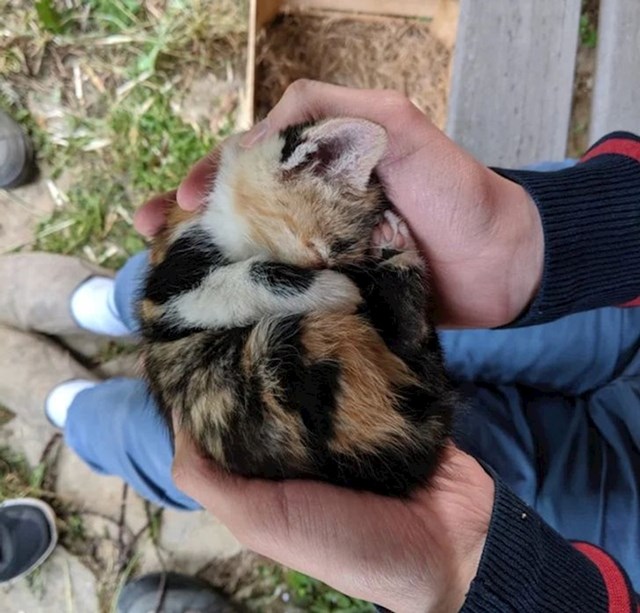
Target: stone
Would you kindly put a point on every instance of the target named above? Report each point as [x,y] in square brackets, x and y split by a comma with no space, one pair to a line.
[62,583]
[27,437]
[20,211]
[90,491]
[189,541]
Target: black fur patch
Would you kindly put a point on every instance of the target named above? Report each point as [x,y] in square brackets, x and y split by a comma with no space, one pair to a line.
[292,140]
[340,246]
[188,260]
[309,389]
[282,279]
[166,331]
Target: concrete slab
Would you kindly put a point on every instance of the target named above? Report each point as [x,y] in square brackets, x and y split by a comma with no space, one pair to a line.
[61,584]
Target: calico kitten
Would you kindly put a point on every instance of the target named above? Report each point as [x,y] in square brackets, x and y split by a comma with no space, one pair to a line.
[287,343]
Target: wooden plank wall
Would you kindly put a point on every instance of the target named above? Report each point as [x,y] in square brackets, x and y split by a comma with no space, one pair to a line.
[407,8]
[512,82]
[616,91]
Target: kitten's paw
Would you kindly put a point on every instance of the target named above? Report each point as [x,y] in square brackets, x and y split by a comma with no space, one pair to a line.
[334,291]
[394,244]
[392,234]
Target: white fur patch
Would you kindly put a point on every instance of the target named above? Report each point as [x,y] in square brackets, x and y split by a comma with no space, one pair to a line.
[229,297]
[300,154]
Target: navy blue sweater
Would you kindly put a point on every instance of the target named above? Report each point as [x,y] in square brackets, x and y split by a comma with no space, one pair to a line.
[591,220]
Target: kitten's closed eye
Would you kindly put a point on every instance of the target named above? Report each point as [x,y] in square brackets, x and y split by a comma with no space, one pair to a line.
[288,343]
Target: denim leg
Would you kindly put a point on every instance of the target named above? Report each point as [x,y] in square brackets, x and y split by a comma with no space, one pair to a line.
[576,460]
[116,429]
[115,426]
[573,355]
[129,280]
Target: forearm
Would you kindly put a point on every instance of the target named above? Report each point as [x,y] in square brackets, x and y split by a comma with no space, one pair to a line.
[590,218]
[527,566]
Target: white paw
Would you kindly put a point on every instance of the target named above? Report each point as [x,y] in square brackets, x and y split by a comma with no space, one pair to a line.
[392,233]
[333,291]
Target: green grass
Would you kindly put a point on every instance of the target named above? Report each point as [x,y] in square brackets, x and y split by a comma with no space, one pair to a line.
[306,593]
[124,142]
[316,597]
[17,478]
[150,151]
[588,31]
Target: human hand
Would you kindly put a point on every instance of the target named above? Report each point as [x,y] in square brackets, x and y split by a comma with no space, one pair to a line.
[414,555]
[480,232]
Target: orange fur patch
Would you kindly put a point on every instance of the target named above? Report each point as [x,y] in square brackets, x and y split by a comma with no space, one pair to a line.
[149,310]
[174,218]
[365,418]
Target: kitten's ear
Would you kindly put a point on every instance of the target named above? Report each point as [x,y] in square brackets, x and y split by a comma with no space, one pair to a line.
[341,149]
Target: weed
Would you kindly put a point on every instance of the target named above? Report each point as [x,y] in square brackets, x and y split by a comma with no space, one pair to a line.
[35,582]
[155,523]
[5,415]
[17,479]
[316,597]
[310,594]
[51,19]
[588,32]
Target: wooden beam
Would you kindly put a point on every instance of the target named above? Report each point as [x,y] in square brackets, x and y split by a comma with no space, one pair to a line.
[512,83]
[406,8]
[616,90]
[260,13]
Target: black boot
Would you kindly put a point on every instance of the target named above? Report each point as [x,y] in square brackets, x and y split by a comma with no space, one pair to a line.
[172,593]
[17,164]
[27,536]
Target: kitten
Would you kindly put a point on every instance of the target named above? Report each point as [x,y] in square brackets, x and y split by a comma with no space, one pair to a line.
[287,343]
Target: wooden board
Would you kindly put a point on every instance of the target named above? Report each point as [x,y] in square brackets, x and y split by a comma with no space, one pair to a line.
[406,8]
[616,90]
[512,82]
[260,13]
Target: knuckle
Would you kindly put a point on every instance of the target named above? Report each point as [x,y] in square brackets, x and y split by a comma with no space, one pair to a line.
[395,99]
[399,104]
[298,90]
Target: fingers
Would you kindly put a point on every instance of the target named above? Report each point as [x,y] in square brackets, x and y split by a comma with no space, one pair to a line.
[281,520]
[307,100]
[254,510]
[150,218]
[198,182]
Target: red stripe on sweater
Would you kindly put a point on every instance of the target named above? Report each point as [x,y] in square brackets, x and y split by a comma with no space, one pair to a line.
[614,580]
[621,146]
[631,303]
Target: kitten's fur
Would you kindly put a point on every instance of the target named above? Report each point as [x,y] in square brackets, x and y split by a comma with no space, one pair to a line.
[286,344]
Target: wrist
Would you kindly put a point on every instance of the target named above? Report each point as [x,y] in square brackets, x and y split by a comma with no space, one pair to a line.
[521,238]
[471,497]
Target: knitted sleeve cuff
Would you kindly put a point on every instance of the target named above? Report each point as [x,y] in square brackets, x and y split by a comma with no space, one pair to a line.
[591,221]
[527,566]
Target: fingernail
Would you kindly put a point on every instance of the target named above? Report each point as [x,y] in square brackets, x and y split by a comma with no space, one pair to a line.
[257,133]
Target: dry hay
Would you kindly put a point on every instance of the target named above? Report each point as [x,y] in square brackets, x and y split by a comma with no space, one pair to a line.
[394,53]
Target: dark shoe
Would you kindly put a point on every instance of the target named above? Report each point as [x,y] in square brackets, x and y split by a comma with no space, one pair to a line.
[172,593]
[17,165]
[27,536]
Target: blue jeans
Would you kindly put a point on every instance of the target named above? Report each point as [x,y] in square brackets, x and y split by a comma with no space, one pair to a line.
[554,409]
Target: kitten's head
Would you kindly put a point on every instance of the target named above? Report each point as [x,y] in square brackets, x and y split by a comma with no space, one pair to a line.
[307,196]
